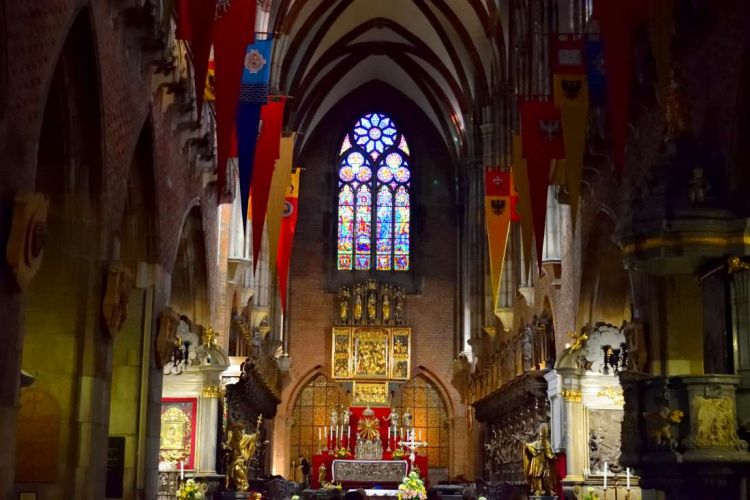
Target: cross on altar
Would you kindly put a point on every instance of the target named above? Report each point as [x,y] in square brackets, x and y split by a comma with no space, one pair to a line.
[412,444]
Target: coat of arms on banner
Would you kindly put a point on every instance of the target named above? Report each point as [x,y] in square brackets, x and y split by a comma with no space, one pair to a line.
[549,128]
[571,88]
[254,61]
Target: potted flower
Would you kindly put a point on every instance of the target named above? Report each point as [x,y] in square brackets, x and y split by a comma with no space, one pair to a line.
[398,454]
[190,490]
[412,488]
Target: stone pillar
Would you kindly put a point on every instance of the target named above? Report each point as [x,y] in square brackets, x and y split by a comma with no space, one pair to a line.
[575,438]
[208,421]
[556,411]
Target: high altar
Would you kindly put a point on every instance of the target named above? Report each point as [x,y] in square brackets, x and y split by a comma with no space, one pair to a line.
[370,355]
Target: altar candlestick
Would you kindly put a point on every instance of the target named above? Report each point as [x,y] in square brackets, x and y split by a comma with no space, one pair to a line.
[325,434]
[605,475]
[627,478]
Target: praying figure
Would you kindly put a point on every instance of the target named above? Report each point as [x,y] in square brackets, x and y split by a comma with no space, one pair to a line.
[537,464]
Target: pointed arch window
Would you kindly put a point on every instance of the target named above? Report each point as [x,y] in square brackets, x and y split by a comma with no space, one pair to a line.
[374,199]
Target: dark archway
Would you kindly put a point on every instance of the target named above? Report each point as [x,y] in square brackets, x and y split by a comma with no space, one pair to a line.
[63,347]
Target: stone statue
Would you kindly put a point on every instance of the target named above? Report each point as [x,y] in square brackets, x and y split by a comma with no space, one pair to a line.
[538,467]
[676,113]
[408,422]
[240,448]
[344,295]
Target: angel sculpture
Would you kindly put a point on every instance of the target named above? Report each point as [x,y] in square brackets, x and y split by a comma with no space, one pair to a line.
[240,448]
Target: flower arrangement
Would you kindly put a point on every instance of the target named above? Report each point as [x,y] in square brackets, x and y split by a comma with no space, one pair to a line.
[190,490]
[675,416]
[330,486]
[591,494]
[343,453]
[398,454]
[412,488]
[295,497]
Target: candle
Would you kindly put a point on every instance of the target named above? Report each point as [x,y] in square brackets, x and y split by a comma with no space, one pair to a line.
[320,434]
[627,477]
[389,435]
[348,433]
[420,434]
[605,475]
[182,470]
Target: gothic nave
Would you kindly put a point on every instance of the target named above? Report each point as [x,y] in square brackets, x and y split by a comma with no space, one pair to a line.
[297,249]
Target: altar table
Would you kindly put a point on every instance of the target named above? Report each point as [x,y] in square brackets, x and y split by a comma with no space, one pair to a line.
[420,462]
[369,471]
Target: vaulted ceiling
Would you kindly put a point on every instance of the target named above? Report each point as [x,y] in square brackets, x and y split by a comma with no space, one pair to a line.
[445,55]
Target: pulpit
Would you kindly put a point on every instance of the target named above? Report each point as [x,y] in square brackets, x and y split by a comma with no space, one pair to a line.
[360,452]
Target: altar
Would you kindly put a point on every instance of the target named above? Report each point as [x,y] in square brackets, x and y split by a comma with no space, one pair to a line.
[363,449]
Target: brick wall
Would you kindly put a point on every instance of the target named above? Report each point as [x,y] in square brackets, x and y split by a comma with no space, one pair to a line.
[431,313]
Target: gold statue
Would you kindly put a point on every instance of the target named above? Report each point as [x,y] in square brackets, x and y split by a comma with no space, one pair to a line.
[537,464]
[371,306]
[578,339]
[322,474]
[386,304]
[344,305]
[677,116]
[357,304]
[240,448]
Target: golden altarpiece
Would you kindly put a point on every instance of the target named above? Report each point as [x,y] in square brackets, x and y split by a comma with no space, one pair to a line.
[371,346]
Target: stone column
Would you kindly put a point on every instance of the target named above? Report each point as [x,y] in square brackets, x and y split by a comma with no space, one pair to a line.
[575,438]
[208,421]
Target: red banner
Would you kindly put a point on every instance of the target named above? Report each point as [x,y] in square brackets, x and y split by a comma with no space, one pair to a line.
[286,235]
[541,141]
[266,154]
[234,30]
[618,21]
[195,23]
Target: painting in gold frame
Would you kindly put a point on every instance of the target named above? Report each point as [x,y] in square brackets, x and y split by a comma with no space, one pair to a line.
[371,352]
[341,353]
[400,353]
[370,393]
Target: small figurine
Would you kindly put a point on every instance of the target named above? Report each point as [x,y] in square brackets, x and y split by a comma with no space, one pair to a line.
[322,474]
[371,307]
[357,304]
[699,186]
[345,414]
[392,418]
[344,305]
[408,419]
[334,417]
[676,113]
[386,304]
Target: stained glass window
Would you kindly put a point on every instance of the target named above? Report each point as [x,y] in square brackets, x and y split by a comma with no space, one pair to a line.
[422,399]
[311,412]
[373,185]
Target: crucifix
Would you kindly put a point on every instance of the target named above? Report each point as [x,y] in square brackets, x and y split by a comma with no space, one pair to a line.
[412,444]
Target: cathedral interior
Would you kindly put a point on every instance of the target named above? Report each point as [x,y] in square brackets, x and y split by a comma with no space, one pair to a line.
[294,249]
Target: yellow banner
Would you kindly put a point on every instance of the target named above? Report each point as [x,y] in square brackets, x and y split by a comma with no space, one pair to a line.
[521,181]
[497,216]
[279,188]
[571,95]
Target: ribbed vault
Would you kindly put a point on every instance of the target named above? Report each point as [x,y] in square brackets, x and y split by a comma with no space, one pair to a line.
[446,56]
